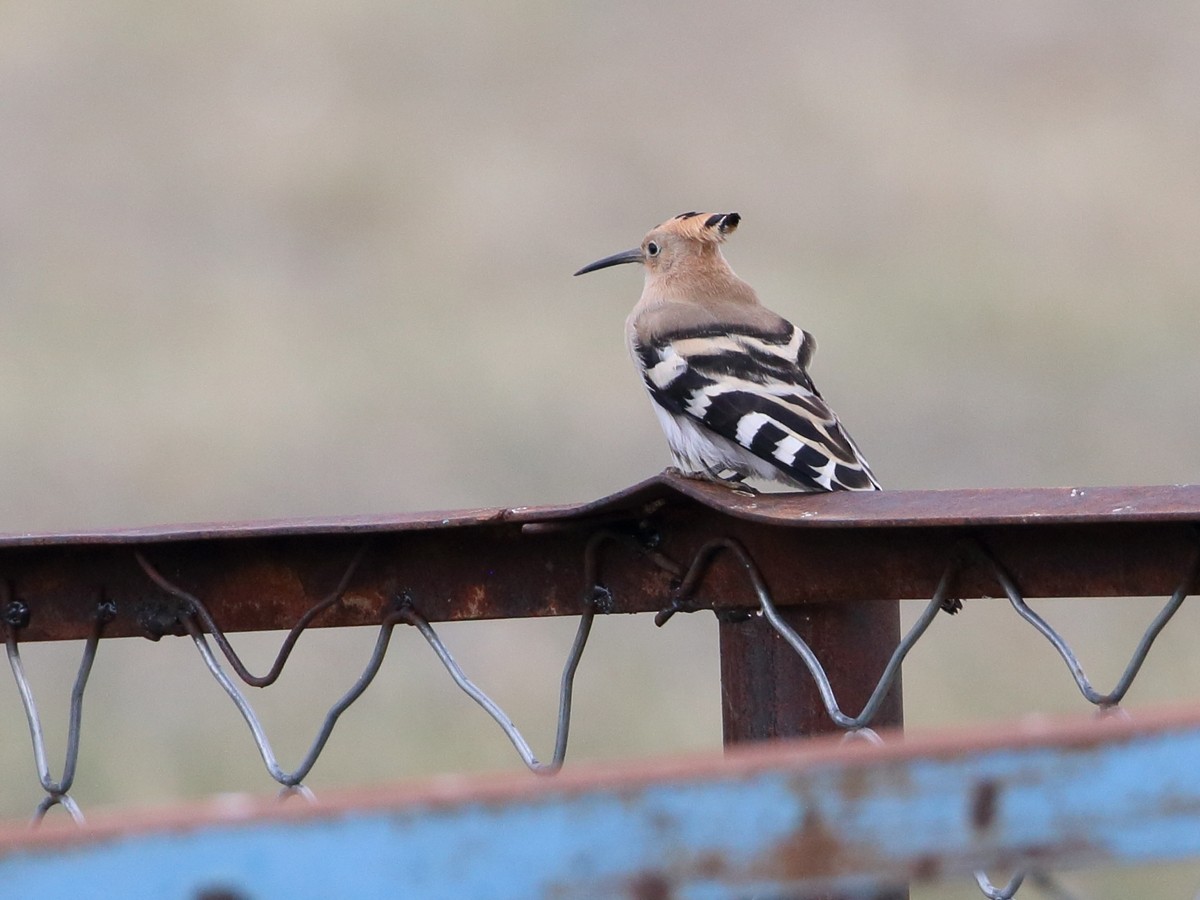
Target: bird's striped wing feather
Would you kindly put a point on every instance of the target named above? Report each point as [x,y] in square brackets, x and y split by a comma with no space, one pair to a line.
[751,388]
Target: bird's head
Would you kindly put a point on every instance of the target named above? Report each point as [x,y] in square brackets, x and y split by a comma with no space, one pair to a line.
[689,239]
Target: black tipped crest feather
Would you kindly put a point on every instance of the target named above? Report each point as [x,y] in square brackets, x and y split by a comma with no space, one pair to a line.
[724,222]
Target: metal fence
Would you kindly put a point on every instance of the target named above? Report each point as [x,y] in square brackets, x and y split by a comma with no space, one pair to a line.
[804,588]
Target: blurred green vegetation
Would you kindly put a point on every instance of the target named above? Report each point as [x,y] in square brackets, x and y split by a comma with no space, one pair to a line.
[284,259]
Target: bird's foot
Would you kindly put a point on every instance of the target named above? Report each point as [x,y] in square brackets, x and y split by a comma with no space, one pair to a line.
[733,480]
[739,487]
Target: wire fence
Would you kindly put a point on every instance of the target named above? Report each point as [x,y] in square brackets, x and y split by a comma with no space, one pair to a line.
[685,578]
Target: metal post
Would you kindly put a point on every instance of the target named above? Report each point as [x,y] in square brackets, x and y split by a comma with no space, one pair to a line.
[766,691]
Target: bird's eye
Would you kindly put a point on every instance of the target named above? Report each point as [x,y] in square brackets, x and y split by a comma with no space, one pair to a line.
[652,249]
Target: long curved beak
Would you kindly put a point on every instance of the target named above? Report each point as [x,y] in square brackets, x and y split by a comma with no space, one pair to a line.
[617,259]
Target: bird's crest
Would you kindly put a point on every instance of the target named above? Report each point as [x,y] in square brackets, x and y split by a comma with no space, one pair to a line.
[706,227]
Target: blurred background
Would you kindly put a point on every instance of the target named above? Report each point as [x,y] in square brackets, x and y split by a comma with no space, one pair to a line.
[314,259]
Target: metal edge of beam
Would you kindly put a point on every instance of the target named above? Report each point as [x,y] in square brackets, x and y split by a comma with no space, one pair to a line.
[844,509]
[786,816]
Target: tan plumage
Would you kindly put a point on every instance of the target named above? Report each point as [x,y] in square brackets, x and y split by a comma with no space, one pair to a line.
[727,376]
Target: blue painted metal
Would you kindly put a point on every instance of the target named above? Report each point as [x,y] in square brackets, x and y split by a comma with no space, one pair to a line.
[785,817]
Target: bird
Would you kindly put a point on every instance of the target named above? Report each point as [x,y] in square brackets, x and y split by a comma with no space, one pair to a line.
[727,377]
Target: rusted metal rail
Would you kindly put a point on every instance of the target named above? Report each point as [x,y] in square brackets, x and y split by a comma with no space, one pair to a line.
[530,561]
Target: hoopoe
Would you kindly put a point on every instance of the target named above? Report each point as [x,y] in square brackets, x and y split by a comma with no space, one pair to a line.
[727,377]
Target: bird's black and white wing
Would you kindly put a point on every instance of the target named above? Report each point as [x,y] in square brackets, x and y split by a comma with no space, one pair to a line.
[756,407]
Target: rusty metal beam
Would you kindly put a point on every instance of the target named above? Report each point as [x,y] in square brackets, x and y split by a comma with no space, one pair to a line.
[479,564]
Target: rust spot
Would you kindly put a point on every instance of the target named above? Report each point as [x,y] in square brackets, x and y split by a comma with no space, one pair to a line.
[363,604]
[650,886]
[710,865]
[476,602]
[856,783]
[984,799]
[221,892]
[816,849]
[812,850]
[926,868]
